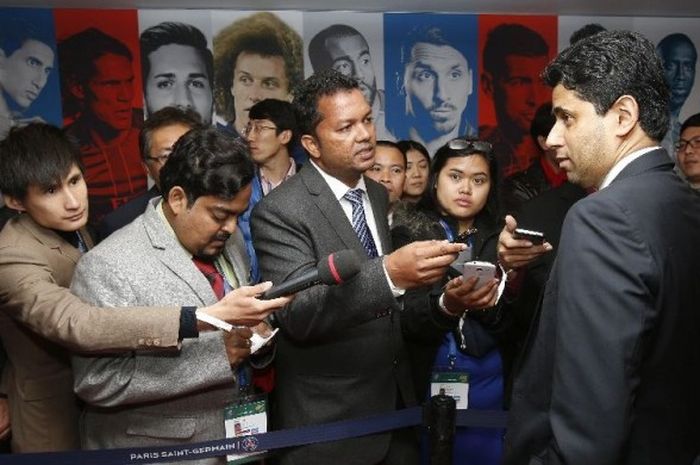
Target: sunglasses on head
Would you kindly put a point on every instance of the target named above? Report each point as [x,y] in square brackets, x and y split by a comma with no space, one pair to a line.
[466,144]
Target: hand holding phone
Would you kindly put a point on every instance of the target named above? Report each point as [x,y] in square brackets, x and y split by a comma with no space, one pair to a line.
[485,271]
[536,237]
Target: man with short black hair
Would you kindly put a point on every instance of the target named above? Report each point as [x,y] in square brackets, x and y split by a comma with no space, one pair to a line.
[437,81]
[389,170]
[688,150]
[608,374]
[326,207]
[679,58]
[26,60]
[343,48]
[159,133]
[513,58]
[185,247]
[97,86]
[542,174]
[177,69]
[40,320]
[271,133]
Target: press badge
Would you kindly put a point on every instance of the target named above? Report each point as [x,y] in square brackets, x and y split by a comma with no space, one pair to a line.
[455,385]
[249,416]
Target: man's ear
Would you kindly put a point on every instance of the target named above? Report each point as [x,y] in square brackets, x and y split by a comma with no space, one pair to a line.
[177,200]
[542,142]
[285,136]
[311,145]
[14,203]
[626,113]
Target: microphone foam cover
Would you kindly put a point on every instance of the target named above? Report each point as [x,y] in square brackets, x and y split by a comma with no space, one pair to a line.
[338,267]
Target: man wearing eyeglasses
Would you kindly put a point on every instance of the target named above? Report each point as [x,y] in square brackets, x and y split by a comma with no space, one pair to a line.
[160,132]
[688,150]
[271,134]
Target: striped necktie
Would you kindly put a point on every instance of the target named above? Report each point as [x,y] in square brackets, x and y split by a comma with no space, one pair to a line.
[359,222]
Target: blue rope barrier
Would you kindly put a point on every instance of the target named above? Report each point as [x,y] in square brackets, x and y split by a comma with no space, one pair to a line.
[258,442]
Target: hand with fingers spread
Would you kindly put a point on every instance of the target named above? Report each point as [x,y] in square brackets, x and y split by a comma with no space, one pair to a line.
[243,306]
[460,295]
[420,263]
[237,344]
[516,253]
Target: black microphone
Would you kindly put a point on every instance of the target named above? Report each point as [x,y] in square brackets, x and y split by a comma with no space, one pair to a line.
[334,269]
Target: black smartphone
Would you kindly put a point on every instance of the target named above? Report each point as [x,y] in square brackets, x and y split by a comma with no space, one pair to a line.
[536,237]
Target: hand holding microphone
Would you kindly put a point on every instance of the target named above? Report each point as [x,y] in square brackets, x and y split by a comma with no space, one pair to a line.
[248,305]
[337,268]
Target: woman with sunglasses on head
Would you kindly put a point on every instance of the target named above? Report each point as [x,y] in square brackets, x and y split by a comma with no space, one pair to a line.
[460,205]
[417,170]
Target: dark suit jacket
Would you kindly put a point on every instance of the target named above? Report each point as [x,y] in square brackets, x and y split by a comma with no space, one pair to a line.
[610,375]
[543,213]
[125,214]
[340,352]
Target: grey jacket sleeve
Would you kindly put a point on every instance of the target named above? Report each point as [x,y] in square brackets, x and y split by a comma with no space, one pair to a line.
[137,377]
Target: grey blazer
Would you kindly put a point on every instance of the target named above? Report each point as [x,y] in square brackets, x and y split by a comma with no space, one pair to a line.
[340,350]
[140,399]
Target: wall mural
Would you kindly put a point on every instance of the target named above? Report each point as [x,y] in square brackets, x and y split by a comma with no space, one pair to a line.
[428,76]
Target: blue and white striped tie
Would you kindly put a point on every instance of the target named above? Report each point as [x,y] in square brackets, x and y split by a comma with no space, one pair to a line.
[359,222]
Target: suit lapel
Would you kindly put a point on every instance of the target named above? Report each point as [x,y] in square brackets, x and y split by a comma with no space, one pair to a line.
[171,254]
[330,208]
[238,257]
[50,239]
[378,199]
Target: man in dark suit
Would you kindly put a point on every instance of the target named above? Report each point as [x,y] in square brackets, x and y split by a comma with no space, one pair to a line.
[159,133]
[609,375]
[340,352]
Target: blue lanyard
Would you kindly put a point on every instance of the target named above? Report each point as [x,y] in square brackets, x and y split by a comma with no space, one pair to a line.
[448,231]
[451,237]
[452,351]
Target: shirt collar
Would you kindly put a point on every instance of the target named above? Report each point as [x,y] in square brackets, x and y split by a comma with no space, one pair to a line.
[622,164]
[338,187]
[268,186]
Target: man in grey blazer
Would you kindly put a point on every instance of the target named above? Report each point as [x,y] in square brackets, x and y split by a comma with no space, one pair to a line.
[341,352]
[610,370]
[144,399]
[40,320]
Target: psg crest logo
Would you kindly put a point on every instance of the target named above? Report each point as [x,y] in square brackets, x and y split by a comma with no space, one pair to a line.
[250,444]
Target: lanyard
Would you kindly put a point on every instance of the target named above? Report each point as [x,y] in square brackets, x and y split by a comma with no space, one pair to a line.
[241,372]
[452,351]
[468,235]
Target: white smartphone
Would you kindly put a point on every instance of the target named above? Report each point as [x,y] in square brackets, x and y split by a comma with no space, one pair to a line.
[485,271]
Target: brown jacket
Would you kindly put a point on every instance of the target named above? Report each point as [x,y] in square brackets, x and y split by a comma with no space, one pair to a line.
[40,319]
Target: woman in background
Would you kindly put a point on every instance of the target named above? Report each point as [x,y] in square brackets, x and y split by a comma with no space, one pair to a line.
[417,170]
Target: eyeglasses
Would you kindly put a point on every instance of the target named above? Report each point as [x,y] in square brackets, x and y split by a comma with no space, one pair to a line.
[467,144]
[159,159]
[256,128]
[682,144]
